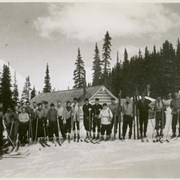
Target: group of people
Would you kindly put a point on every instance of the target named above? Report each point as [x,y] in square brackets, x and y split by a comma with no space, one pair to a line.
[28,123]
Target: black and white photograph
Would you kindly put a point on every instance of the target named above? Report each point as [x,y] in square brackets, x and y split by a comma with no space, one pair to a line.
[90,89]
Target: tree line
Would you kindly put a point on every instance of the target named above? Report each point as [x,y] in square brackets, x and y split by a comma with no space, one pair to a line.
[9,94]
[153,73]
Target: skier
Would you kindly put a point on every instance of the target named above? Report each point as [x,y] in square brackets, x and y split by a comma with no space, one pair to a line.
[87,117]
[96,119]
[175,106]
[114,109]
[1,133]
[76,118]
[23,126]
[67,116]
[35,106]
[106,118]
[46,109]
[39,113]
[60,110]
[143,107]
[32,121]
[127,116]
[15,120]
[160,116]
[8,121]
[52,120]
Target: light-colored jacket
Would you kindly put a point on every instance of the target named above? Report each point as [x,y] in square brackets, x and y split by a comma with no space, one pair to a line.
[106,116]
[75,112]
[23,117]
[128,109]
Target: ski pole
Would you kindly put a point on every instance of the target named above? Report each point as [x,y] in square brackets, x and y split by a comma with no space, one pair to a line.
[44,129]
[89,122]
[120,115]
[58,129]
[37,122]
[12,124]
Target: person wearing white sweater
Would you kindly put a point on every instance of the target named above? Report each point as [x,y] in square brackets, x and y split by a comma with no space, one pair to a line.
[23,125]
[106,118]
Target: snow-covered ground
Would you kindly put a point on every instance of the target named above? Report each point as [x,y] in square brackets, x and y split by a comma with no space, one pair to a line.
[105,160]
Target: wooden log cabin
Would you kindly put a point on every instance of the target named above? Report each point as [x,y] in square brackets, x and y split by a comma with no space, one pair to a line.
[91,93]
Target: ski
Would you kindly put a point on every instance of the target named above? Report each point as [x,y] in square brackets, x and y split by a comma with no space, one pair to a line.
[87,140]
[17,155]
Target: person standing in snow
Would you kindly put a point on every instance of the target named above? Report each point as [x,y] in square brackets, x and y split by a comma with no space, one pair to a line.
[32,121]
[96,119]
[175,106]
[106,118]
[52,120]
[160,116]
[60,111]
[46,109]
[76,119]
[67,117]
[15,120]
[143,107]
[87,117]
[23,126]
[127,117]
[39,113]
[8,121]
[114,109]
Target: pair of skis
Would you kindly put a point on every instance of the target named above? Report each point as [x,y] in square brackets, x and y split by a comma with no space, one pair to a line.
[18,154]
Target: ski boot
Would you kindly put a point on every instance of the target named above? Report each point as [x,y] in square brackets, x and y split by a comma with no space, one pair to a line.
[78,138]
[69,138]
[74,137]
[107,138]
[173,136]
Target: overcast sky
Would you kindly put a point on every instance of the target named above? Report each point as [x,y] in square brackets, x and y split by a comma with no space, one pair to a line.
[32,34]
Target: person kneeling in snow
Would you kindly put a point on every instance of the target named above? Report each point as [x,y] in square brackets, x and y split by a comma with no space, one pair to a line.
[106,118]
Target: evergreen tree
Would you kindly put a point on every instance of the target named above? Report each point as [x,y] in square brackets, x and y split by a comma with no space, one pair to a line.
[47,86]
[0,87]
[177,67]
[106,58]
[79,72]
[6,88]
[15,93]
[97,74]
[33,92]
[26,91]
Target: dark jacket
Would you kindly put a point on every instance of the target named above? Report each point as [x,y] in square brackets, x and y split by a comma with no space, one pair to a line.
[86,110]
[52,115]
[15,117]
[143,107]
[1,124]
[30,112]
[97,109]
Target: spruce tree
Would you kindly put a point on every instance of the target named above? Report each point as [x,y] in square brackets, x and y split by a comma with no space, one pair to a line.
[106,57]
[15,93]
[6,88]
[0,87]
[33,92]
[47,86]
[26,91]
[177,67]
[96,68]
[79,72]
